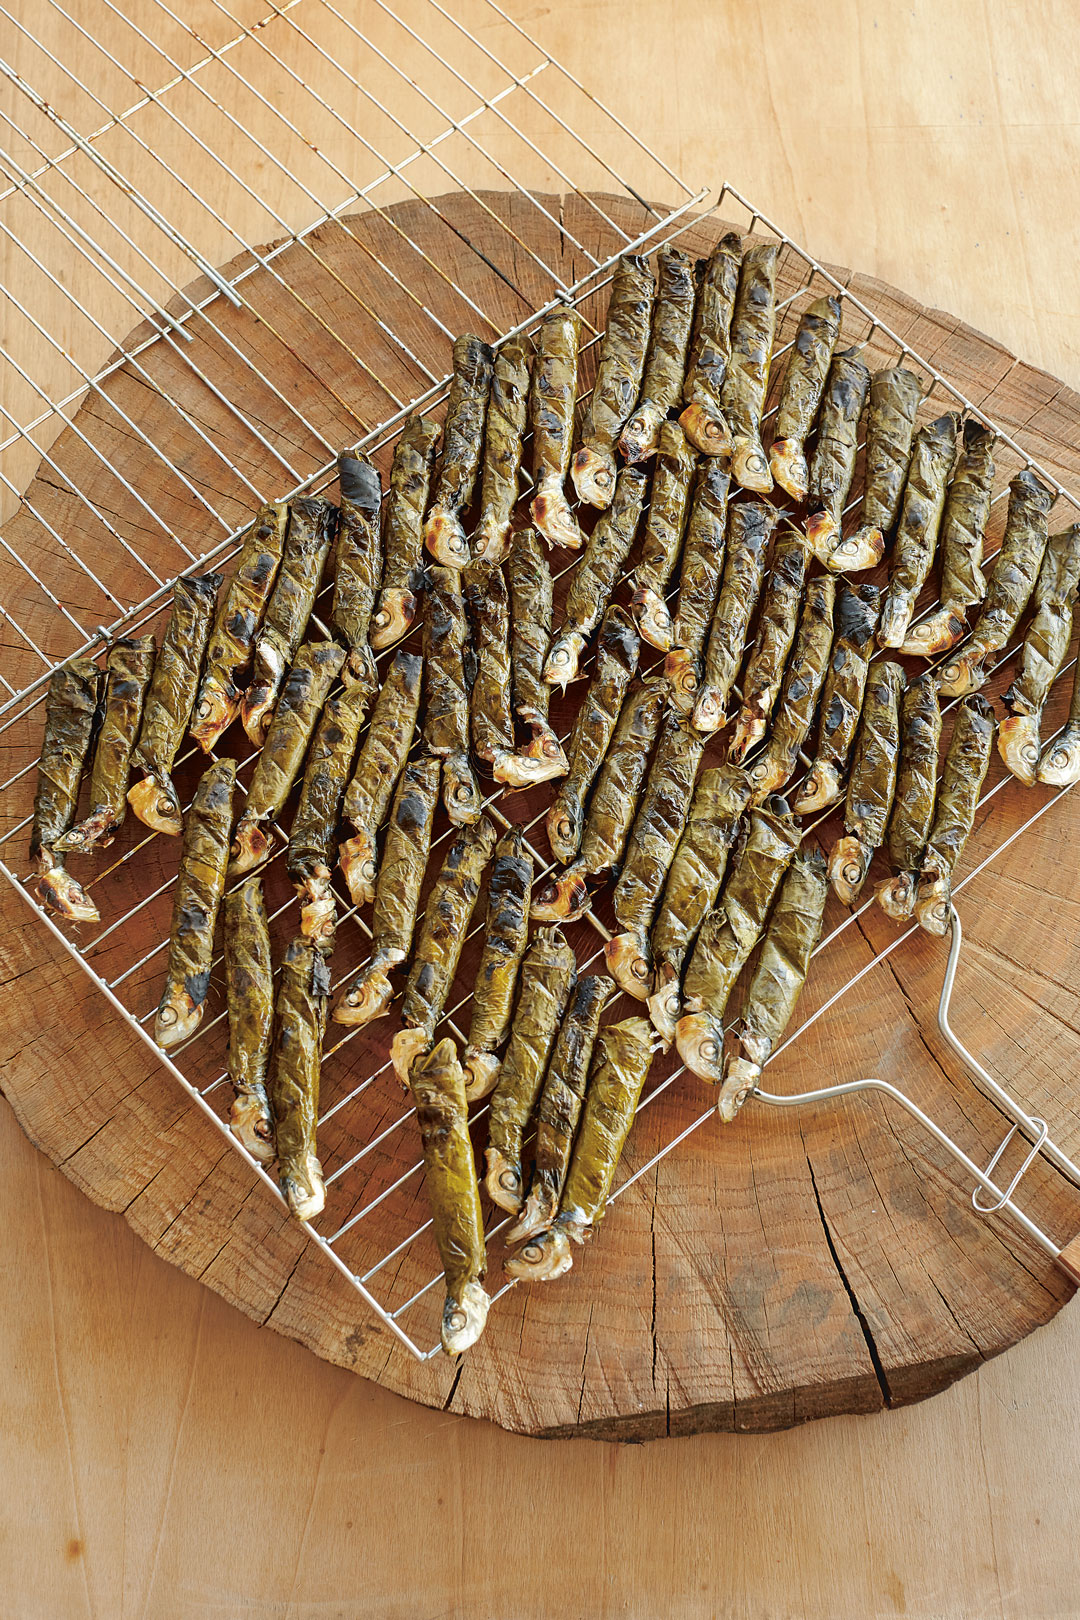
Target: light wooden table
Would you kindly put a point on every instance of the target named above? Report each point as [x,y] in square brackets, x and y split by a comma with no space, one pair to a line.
[161,1456]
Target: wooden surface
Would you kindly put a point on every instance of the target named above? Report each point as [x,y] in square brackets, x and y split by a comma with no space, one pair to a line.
[957,1507]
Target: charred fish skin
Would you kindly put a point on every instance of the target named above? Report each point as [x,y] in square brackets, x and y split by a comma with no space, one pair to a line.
[358,563]
[500,480]
[793,934]
[913,804]
[966,764]
[547,978]
[368,994]
[438,950]
[317,665]
[239,615]
[662,538]
[832,467]
[380,762]
[308,539]
[446,698]
[665,360]
[169,702]
[855,624]
[963,528]
[890,424]
[559,1109]
[749,530]
[200,885]
[710,349]
[746,382]
[800,691]
[551,416]
[529,579]
[1016,569]
[650,849]
[594,578]
[776,632]
[437,1084]
[463,440]
[295,1065]
[704,549]
[403,531]
[694,879]
[71,707]
[932,455]
[872,784]
[313,835]
[129,668]
[616,661]
[505,939]
[1042,655]
[618,379]
[249,982]
[802,393]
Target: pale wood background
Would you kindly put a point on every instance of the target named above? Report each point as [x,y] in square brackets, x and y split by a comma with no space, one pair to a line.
[163,1457]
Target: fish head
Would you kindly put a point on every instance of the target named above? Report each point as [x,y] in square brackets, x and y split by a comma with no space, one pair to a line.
[178,1017]
[406,1046]
[896,896]
[863,549]
[1018,745]
[464,1317]
[706,429]
[542,1259]
[594,477]
[444,537]
[821,788]
[250,846]
[356,857]
[749,466]
[302,1184]
[788,466]
[561,664]
[847,868]
[252,1123]
[1060,763]
[563,896]
[700,1041]
[503,1181]
[740,1079]
[653,617]
[393,618]
[682,675]
[59,892]
[629,962]
[481,1073]
[157,806]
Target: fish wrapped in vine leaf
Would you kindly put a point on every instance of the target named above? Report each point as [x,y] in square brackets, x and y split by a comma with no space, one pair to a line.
[768,656]
[890,423]
[913,804]
[746,380]
[447,654]
[379,764]
[693,882]
[169,702]
[729,934]
[317,665]
[504,432]
[559,1109]
[249,982]
[801,395]
[200,885]
[1042,655]
[368,994]
[239,615]
[313,835]
[1016,569]
[832,467]
[437,1083]
[966,764]
[487,602]
[564,896]
[932,453]
[71,708]
[551,417]
[778,979]
[357,563]
[529,578]
[662,538]
[295,1066]
[616,660]
[618,379]
[710,349]
[594,577]
[960,545]
[657,828]
[872,784]
[403,531]
[310,535]
[547,978]
[622,1058]
[699,582]
[749,530]
[128,671]
[438,950]
[506,935]
[800,691]
[665,359]
[855,621]
[463,443]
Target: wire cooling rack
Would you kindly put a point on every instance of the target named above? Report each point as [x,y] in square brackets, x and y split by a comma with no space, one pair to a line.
[137,283]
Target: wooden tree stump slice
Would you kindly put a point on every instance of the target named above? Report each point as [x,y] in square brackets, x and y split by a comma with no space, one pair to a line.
[799,1264]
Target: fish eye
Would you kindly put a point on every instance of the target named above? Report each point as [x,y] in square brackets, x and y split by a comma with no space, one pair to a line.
[532,1252]
[640,968]
[603,478]
[509,1181]
[167,1016]
[457,1320]
[710,1050]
